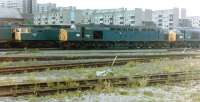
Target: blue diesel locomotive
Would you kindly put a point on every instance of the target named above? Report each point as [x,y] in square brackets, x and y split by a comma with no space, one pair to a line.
[96,36]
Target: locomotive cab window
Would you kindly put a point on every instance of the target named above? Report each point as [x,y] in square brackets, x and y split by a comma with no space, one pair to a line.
[98,35]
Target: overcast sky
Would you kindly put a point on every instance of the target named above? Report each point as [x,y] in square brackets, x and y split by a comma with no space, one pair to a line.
[192,6]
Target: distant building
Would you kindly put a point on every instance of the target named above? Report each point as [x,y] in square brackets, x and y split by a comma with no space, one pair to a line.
[148,15]
[185,22]
[24,6]
[183,13]
[29,6]
[10,16]
[120,16]
[47,7]
[60,16]
[166,19]
[15,4]
[195,21]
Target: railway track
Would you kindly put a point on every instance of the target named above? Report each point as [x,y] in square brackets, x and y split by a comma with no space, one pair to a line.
[94,64]
[45,88]
[50,58]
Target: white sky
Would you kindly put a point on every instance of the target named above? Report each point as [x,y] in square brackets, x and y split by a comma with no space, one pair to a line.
[192,6]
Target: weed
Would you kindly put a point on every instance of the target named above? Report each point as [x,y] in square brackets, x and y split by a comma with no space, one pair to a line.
[148,93]
[130,64]
[134,83]
[104,86]
[195,97]
[169,69]
[123,92]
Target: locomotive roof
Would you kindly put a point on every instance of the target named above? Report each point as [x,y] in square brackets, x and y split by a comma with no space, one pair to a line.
[120,28]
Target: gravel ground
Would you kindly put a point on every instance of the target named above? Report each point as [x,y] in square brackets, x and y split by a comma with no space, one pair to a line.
[167,93]
[157,66]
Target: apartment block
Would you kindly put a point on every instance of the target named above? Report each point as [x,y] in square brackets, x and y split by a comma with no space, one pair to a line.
[166,19]
[15,4]
[47,7]
[195,21]
[61,16]
[120,16]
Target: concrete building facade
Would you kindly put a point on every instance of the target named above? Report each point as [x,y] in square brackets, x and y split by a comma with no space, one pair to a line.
[15,4]
[185,22]
[64,16]
[43,8]
[29,6]
[195,21]
[120,16]
[166,19]
[23,6]
[183,13]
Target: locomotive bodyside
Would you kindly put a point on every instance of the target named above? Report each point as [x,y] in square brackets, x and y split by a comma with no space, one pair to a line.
[5,33]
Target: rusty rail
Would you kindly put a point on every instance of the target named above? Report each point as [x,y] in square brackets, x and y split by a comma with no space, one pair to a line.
[45,88]
[15,70]
[49,58]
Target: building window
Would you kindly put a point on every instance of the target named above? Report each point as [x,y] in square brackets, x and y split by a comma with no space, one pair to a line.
[101,19]
[132,22]
[170,28]
[54,22]
[171,24]
[121,17]
[170,19]
[160,24]
[61,21]
[159,15]
[53,17]
[132,17]
[121,22]
[160,20]
[61,17]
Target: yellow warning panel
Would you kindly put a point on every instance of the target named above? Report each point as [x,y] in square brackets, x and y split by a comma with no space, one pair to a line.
[17,33]
[63,35]
[172,36]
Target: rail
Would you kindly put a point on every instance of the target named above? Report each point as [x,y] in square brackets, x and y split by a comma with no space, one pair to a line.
[45,88]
